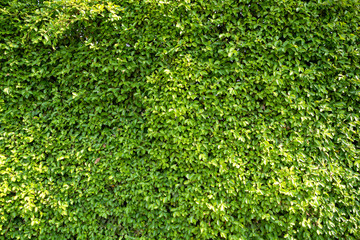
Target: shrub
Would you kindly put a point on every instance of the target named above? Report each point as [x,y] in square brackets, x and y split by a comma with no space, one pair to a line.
[179,119]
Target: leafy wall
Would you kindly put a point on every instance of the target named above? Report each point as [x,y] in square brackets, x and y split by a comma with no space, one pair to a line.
[179,119]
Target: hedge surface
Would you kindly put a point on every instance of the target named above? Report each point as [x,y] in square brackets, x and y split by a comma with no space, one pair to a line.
[179,119]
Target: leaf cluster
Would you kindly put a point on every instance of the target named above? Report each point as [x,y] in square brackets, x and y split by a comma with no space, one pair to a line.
[179,119]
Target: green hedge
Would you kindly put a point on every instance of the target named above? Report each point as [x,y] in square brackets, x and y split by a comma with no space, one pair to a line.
[179,119]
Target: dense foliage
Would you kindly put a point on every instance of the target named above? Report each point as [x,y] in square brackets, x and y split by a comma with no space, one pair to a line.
[179,119]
